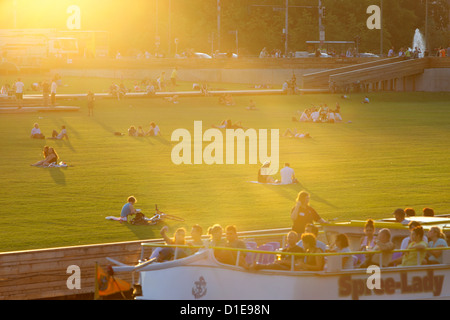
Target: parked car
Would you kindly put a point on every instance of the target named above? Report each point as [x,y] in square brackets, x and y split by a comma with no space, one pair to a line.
[368,55]
[322,55]
[225,55]
[201,55]
[301,54]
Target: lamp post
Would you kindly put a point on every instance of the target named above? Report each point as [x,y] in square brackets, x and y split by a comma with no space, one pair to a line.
[286,22]
[426,24]
[169,28]
[381,28]
[15,13]
[218,25]
[156,19]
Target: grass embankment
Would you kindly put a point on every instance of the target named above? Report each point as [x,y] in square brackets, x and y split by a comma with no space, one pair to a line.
[394,153]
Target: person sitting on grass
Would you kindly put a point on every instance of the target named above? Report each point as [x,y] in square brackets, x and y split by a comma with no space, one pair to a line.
[225,124]
[315,114]
[36,132]
[229,101]
[140,132]
[228,124]
[50,156]
[61,135]
[337,113]
[128,209]
[132,132]
[45,154]
[287,175]
[222,99]
[264,178]
[305,116]
[173,99]
[154,130]
[251,106]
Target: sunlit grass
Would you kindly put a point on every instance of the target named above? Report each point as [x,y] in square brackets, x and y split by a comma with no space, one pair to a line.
[394,153]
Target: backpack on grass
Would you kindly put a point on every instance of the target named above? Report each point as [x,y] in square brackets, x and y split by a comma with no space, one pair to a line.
[139,219]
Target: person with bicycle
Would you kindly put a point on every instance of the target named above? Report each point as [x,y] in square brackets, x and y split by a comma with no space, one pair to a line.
[128,209]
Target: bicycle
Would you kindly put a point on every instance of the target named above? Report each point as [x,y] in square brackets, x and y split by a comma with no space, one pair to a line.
[159,216]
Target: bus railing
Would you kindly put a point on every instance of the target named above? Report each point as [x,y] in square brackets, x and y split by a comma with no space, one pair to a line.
[334,259]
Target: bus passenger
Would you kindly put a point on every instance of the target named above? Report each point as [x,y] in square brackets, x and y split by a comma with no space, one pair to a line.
[311,263]
[437,239]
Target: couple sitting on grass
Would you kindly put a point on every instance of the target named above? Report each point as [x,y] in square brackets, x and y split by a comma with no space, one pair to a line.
[228,124]
[287,175]
[320,114]
[37,134]
[226,99]
[139,132]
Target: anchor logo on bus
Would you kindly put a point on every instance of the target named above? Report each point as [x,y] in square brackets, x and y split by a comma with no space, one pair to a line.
[199,289]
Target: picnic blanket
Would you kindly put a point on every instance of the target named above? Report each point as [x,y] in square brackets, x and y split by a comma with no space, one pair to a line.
[55,165]
[61,164]
[114,218]
[272,184]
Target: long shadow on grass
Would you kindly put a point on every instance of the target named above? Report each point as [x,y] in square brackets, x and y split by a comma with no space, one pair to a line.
[70,129]
[105,126]
[145,231]
[58,175]
[142,139]
[163,140]
[286,191]
[65,142]
[290,192]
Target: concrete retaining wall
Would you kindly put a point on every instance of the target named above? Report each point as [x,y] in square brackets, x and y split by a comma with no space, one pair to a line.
[43,274]
[432,80]
[244,76]
[38,274]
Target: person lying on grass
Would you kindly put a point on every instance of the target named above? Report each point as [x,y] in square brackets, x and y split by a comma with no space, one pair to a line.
[294,134]
[228,124]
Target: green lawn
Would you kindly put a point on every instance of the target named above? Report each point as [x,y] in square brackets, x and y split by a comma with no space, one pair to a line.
[394,153]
